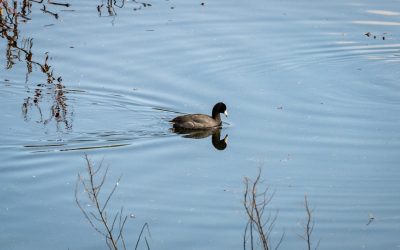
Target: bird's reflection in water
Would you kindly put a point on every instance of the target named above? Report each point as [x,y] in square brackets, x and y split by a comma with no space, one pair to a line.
[215,133]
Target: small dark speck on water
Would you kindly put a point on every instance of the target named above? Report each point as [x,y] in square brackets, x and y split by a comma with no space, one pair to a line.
[383,38]
[172,7]
[368,34]
[202,4]
[370,219]
[71,47]
[374,37]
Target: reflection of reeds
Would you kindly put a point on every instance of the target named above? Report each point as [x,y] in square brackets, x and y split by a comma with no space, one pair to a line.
[110,4]
[10,18]
[111,227]
[12,13]
[256,204]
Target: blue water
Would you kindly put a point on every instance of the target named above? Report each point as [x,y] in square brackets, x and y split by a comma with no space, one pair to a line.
[312,100]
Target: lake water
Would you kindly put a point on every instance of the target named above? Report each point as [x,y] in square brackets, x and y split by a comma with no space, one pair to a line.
[313,94]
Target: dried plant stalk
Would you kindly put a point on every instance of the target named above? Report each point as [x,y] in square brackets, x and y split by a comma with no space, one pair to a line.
[256,204]
[110,227]
[308,226]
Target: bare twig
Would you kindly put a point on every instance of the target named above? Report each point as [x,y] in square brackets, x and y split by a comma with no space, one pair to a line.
[145,226]
[308,226]
[110,227]
[99,219]
[256,204]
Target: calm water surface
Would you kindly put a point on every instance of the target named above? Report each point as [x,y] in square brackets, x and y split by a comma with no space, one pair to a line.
[312,89]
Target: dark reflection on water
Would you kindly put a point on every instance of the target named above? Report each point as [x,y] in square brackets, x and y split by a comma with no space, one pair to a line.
[215,133]
[20,49]
[109,6]
[58,109]
[96,140]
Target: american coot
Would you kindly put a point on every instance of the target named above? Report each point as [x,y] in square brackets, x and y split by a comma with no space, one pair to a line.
[200,121]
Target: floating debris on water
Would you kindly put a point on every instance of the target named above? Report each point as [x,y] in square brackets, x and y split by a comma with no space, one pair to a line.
[371,218]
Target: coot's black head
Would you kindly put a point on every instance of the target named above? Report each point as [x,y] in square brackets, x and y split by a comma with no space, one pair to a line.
[219,108]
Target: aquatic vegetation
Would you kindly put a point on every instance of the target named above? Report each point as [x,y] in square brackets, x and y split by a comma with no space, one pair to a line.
[256,205]
[110,5]
[19,48]
[97,214]
[260,226]
[308,226]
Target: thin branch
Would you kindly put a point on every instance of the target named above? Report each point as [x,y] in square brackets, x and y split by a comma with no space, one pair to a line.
[145,226]
[111,194]
[309,226]
[256,205]
[110,227]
